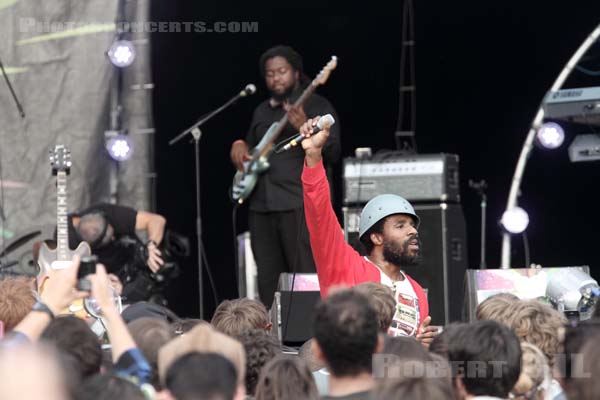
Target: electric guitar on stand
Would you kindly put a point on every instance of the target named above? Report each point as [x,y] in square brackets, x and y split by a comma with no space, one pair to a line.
[245,181]
[49,259]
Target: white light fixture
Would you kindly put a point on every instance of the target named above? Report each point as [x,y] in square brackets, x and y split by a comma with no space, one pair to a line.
[120,147]
[121,53]
[573,290]
[515,220]
[551,135]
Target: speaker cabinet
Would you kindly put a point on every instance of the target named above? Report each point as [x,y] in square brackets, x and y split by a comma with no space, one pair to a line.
[444,256]
[292,316]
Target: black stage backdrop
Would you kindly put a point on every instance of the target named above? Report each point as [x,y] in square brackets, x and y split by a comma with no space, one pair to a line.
[481,71]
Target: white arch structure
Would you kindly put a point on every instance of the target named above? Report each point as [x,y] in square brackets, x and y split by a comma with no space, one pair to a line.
[535,125]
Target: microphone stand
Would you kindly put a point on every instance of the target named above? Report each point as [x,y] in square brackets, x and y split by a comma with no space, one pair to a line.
[480,187]
[196,133]
[22,114]
[12,92]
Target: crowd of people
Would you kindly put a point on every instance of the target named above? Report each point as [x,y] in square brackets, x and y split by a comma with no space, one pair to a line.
[516,349]
[372,335]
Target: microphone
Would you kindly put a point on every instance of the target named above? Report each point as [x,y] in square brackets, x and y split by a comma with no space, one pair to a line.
[328,118]
[247,91]
[250,89]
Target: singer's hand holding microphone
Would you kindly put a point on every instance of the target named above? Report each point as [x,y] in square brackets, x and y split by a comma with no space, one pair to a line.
[317,124]
[315,132]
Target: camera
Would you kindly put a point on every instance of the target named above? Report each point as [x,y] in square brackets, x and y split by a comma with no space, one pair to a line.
[87,266]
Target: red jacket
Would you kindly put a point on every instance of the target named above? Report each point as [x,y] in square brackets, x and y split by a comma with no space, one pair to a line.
[337,262]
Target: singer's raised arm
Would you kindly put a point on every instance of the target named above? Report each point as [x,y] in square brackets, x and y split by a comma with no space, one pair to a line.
[337,262]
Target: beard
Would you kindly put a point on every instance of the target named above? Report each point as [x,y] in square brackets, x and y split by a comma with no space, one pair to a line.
[399,254]
[281,97]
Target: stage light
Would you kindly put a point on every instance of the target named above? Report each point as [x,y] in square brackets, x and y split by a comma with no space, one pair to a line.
[573,291]
[551,135]
[120,147]
[515,220]
[121,53]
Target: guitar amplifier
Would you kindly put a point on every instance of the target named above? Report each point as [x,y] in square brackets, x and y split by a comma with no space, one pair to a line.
[417,178]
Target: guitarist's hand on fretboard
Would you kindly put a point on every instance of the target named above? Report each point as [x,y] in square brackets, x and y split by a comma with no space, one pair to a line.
[296,115]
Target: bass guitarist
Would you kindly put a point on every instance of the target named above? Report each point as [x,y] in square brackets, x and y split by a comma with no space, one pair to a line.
[279,236]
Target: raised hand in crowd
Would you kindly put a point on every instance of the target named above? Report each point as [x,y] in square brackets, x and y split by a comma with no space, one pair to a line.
[58,293]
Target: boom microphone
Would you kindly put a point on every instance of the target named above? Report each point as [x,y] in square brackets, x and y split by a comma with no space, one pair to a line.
[250,89]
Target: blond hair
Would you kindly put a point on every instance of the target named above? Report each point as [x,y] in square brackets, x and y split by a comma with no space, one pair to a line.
[203,339]
[495,306]
[538,324]
[534,370]
[234,317]
[16,300]
[381,298]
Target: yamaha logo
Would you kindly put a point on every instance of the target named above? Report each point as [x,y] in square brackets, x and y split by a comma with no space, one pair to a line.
[567,93]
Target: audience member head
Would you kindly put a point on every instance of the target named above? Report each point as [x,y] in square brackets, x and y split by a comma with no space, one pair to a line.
[486,359]
[72,336]
[574,339]
[109,387]
[234,317]
[535,373]
[204,339]
[145,309]
[208,376]
[346,333]
[439,345]
[307,354]
[382,300]
[31,373]
[150,334]
[286,378]
[184,325]
[16,300]
[260,348]
[495,306]
[538,324]
[584,383]
[405,347]
[414,388]
[406,370]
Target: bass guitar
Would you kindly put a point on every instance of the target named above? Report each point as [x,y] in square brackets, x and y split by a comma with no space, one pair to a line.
[245,181]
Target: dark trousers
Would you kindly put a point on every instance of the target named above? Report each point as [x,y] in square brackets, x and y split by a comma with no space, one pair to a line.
[280,243]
